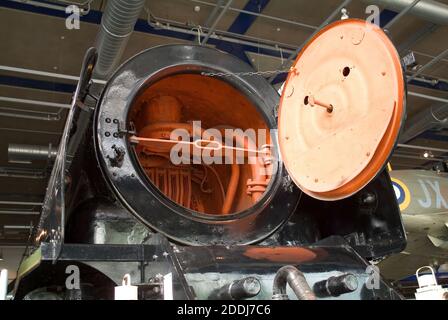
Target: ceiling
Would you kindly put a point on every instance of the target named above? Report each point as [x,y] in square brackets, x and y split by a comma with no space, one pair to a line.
[35,37]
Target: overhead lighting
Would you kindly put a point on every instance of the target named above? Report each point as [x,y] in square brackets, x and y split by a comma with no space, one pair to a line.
[427,154]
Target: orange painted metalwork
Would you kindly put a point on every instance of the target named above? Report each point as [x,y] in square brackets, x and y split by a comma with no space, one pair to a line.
[258,184]
[174,103]
[281,254]
[231,189]
[352,70]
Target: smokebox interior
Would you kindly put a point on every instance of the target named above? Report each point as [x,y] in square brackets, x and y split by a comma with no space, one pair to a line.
[174,102]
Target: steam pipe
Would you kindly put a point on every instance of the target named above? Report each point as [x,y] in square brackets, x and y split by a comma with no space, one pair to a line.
[336,286]
[117,24]
[237,290]
[296,280]
[258,168]
[231,189]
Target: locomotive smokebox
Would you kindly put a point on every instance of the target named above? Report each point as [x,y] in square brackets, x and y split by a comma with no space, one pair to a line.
[179,171]
[240,194]
[187,138]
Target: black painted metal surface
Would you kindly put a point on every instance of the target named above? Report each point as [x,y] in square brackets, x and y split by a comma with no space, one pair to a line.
[132,186]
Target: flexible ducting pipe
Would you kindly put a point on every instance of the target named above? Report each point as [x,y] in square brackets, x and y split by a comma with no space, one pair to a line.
[296,280]
[117,24]
[28,153]
[424,120]
[433,11]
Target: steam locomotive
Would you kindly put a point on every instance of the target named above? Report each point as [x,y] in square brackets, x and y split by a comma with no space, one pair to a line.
[304,220]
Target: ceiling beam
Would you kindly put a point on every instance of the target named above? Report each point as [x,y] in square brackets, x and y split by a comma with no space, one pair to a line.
[329,19]
[387,16]
[421,33]
[257,14]
[18,212]
[402,13]
[424,148]
[20,220]
[20,203]
[215,23]
[19,243]
[241,25]
[36,84]
[94,17]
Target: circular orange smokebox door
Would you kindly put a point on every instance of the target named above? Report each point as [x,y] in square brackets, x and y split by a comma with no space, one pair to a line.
[341,109]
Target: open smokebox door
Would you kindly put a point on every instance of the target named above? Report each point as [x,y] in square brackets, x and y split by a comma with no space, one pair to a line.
[340,114]
[165,124]
[339,119]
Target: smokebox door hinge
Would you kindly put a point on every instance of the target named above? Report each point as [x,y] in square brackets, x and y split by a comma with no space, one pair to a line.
[122,129]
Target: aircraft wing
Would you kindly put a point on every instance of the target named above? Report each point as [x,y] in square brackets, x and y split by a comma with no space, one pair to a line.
[423,200]
[427,245]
